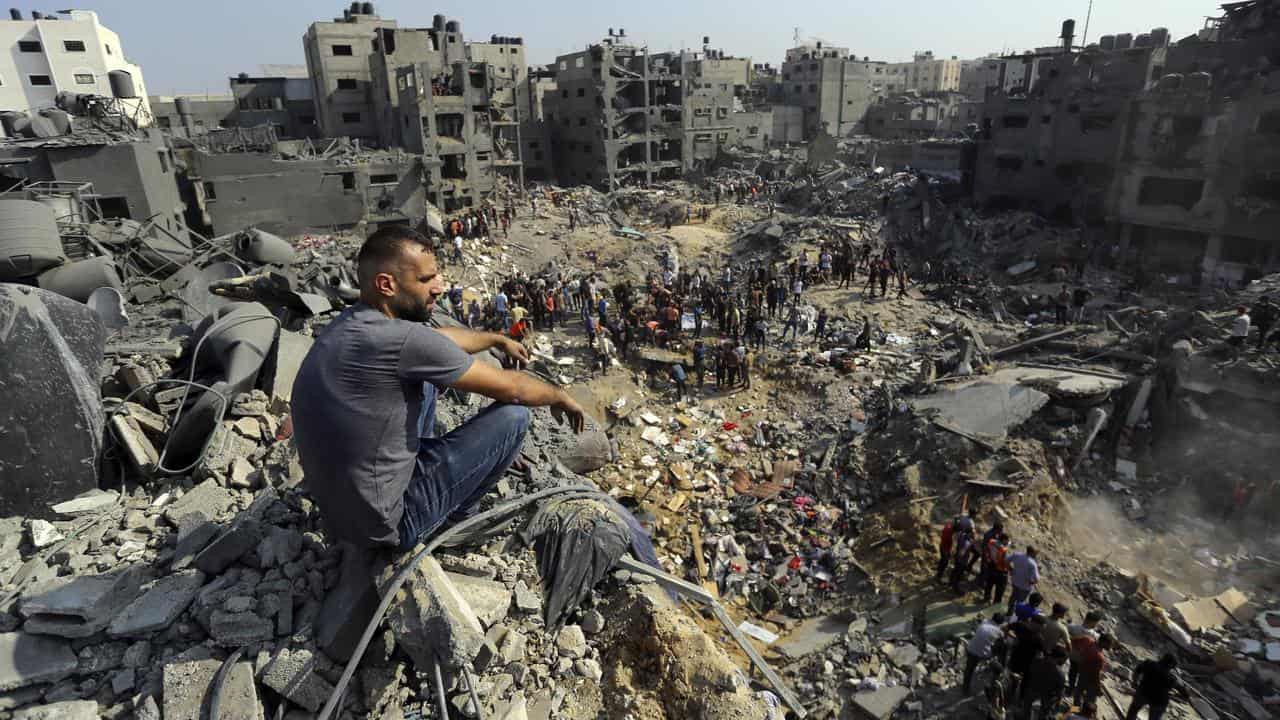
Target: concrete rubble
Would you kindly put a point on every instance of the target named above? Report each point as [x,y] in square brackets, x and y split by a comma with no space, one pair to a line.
[160,553]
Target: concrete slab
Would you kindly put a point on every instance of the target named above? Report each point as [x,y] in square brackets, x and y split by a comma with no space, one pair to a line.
[29,659]
[90,502]
[1061,382]
[292,673]
[984,408]
[293,347]
[159,606]
[489,599]
[67,710]
[230,546]
[187,686]
[948,620]
[431,619]
[80,606]
[878,704]
[812,635]
[208,498]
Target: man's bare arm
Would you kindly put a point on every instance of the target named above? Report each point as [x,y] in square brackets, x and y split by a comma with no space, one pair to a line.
[474,341]
[471,341]
[517,388]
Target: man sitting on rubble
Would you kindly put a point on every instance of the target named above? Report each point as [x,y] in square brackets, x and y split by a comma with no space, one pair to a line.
[364,405]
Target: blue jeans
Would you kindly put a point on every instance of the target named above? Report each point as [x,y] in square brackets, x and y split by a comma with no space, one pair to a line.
[454,471]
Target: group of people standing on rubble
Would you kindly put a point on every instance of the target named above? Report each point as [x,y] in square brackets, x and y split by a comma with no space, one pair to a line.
[1037,660]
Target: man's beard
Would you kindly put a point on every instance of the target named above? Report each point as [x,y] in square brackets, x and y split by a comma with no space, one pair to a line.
[412,309]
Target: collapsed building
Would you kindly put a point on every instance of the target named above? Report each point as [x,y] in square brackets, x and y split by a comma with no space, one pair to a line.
[620,115]
[1170,146]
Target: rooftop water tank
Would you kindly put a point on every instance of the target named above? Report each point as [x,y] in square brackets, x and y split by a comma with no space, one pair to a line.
[1170,82]
[122,84]
[1108,42]
[1159,37]
[1124,41]
[29,239]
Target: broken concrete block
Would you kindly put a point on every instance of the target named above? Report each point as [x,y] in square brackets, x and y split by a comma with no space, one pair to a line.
[527,599]
[80,606]
[159,606]
[91,502]
[52,402]
[29,659]
[489,599]
[67,710]
[44,534]
[208,498]
[236,629]
[813,635]
[123,681]
[194,534]
[147,709]
[280,547]
[292,673]
[188,683]
[571,642]
[430,619]
[290,351]
[879,704]
[137,446]
[229,547]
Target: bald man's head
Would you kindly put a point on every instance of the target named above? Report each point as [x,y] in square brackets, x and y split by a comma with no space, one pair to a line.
[398,274]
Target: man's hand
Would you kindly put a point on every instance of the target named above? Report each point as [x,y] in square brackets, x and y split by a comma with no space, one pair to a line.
[514,350]
[567,408]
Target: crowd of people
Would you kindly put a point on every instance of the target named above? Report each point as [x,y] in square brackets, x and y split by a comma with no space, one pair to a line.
[1036,660]
[718,321]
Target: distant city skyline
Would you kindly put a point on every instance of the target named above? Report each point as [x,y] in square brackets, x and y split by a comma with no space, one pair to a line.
[187,47]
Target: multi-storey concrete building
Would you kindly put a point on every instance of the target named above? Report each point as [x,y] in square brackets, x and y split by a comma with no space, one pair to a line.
[924,73]
[1172,149]
[279,96]
[620,115]
[445,114]
[187,115]
[833,87]
[73,52]
[617,116]
[338,61]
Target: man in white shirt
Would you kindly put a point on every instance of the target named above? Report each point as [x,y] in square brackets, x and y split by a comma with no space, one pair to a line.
[981,646]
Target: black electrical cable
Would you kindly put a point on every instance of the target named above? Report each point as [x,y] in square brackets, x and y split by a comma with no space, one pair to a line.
[389,592]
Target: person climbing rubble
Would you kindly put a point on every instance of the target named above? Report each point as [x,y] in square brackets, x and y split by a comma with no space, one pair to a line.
[982,647]
[1155,681]
[364,405]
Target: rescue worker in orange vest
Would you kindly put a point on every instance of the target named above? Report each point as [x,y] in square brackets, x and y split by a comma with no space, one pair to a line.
[997,556]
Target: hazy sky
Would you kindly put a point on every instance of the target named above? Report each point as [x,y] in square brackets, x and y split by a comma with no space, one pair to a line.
[188,46]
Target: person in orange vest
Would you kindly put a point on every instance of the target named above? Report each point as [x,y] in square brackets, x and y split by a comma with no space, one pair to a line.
[997,556]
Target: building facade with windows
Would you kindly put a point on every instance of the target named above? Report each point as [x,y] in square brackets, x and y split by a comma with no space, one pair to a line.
[50,53]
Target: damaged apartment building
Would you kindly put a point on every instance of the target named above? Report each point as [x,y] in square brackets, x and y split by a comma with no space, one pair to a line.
[1172,147]
[829,89]
[619,115]
[455,103]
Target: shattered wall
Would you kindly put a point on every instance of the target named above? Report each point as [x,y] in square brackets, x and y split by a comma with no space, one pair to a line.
[132,177]
[293,196]
[452,130]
